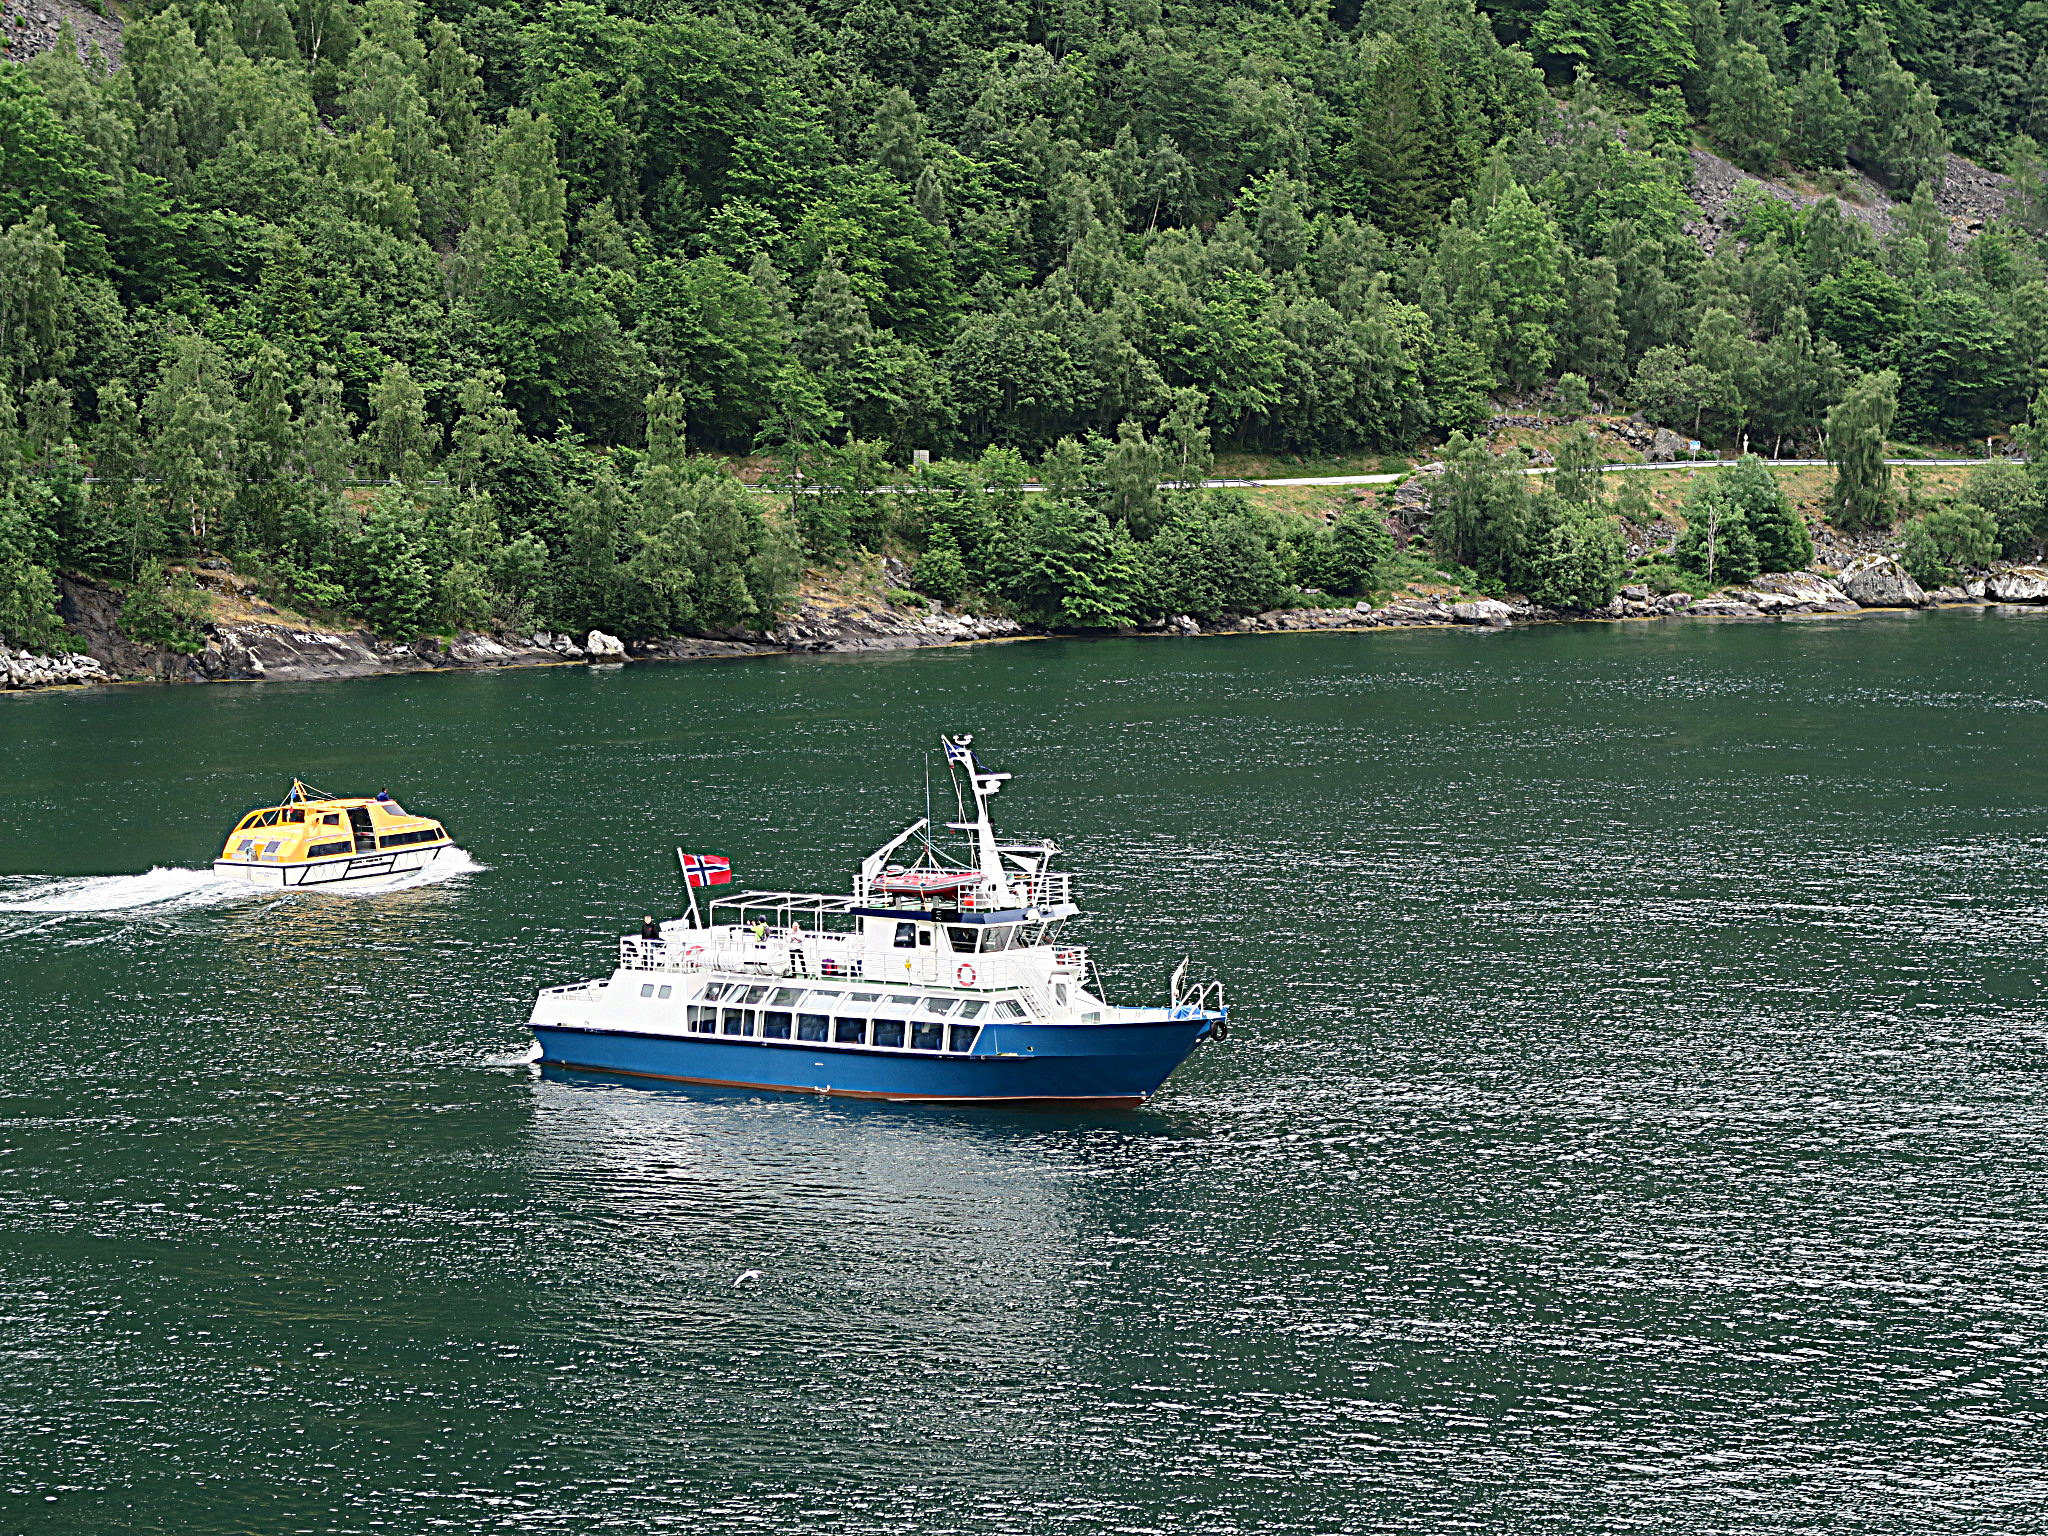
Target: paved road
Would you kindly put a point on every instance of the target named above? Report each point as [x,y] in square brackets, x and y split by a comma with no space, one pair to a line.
[1551,469]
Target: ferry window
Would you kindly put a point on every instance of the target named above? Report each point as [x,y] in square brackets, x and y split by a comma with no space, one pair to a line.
[850,1031]
[1009,1010]
[704,1021]
[776,1025]
[906,935]
[738,1021]
[786,997]
[971,1010]
[863,997]
[714,992]
[961,1037]
[924,938]
[812,1026]
[1059,994]
[938,1004]
[647,990]
[757,994]
[962,940]
[889,1032]
[927,1035]
[666,992]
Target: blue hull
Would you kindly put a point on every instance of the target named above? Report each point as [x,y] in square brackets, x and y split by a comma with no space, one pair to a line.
[1112,1064]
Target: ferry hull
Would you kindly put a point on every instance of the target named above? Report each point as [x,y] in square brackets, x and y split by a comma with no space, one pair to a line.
[1110,1066]
[315,873]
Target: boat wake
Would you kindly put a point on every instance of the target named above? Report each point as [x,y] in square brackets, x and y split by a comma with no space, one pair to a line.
[174,889]
[162,889]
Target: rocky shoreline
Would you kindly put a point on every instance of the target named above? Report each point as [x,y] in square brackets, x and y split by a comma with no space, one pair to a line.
[256,652]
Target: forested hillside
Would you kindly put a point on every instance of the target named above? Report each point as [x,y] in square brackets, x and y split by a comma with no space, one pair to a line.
[528,263]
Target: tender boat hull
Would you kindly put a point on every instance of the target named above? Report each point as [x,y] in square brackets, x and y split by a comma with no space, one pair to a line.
[339,870]
[1100,1064]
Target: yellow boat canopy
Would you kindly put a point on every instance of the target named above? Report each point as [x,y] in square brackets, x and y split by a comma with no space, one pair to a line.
[308,825]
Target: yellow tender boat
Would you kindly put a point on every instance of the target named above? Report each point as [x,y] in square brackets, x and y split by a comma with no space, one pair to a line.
[316,839]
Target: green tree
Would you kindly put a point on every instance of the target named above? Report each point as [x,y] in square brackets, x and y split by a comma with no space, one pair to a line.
[1480,512]
[1861,496]
[1716,545]
[1578,556]
[1941,543]
[1524,259]
[1747,111]
[1783,541]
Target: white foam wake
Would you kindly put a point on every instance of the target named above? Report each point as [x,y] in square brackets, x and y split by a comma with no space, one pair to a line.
[456,861]
[172,889]
[164,888]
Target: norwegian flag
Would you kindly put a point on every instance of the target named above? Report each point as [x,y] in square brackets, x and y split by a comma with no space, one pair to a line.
[705,868]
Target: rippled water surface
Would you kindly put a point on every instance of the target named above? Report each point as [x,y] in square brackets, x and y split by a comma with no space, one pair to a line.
[1634,1122]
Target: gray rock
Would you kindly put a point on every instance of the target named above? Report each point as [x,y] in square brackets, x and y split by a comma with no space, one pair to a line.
[1797,592]
[1879,581]
[2018,584]
[604,647]
[1722,605]
[1485,610]
[1665,447]
[1181,624]
[25,669]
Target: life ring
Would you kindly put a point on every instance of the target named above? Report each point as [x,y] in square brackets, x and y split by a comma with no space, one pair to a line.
[965,974]
[693,951]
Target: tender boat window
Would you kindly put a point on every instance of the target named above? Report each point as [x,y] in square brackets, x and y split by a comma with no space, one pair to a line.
[850,1031]
[813,1026]
[704,1021]
[906,935]
[961,1037]
[647,990]
[775,1025]
[927,1035]
[889,1032]
[737,1021]
[295,817]
[324,850]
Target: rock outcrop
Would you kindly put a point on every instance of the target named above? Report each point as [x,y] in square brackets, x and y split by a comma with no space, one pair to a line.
[2018,584]
[1484,610]
[817,626]
[603,647]
[1796,592]
[1879,581]
[25,669]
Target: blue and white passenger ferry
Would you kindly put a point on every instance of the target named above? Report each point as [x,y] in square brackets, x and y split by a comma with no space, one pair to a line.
[939,980]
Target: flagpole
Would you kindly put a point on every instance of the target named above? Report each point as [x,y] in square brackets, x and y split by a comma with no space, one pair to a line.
[690,886]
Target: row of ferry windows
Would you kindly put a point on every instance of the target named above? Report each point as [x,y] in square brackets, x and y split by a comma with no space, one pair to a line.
[836,1002]
[819,1028]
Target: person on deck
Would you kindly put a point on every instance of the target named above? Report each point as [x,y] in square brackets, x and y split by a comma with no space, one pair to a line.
[649,928]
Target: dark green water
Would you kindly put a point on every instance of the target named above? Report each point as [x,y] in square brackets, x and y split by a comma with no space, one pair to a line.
[1635,1120]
